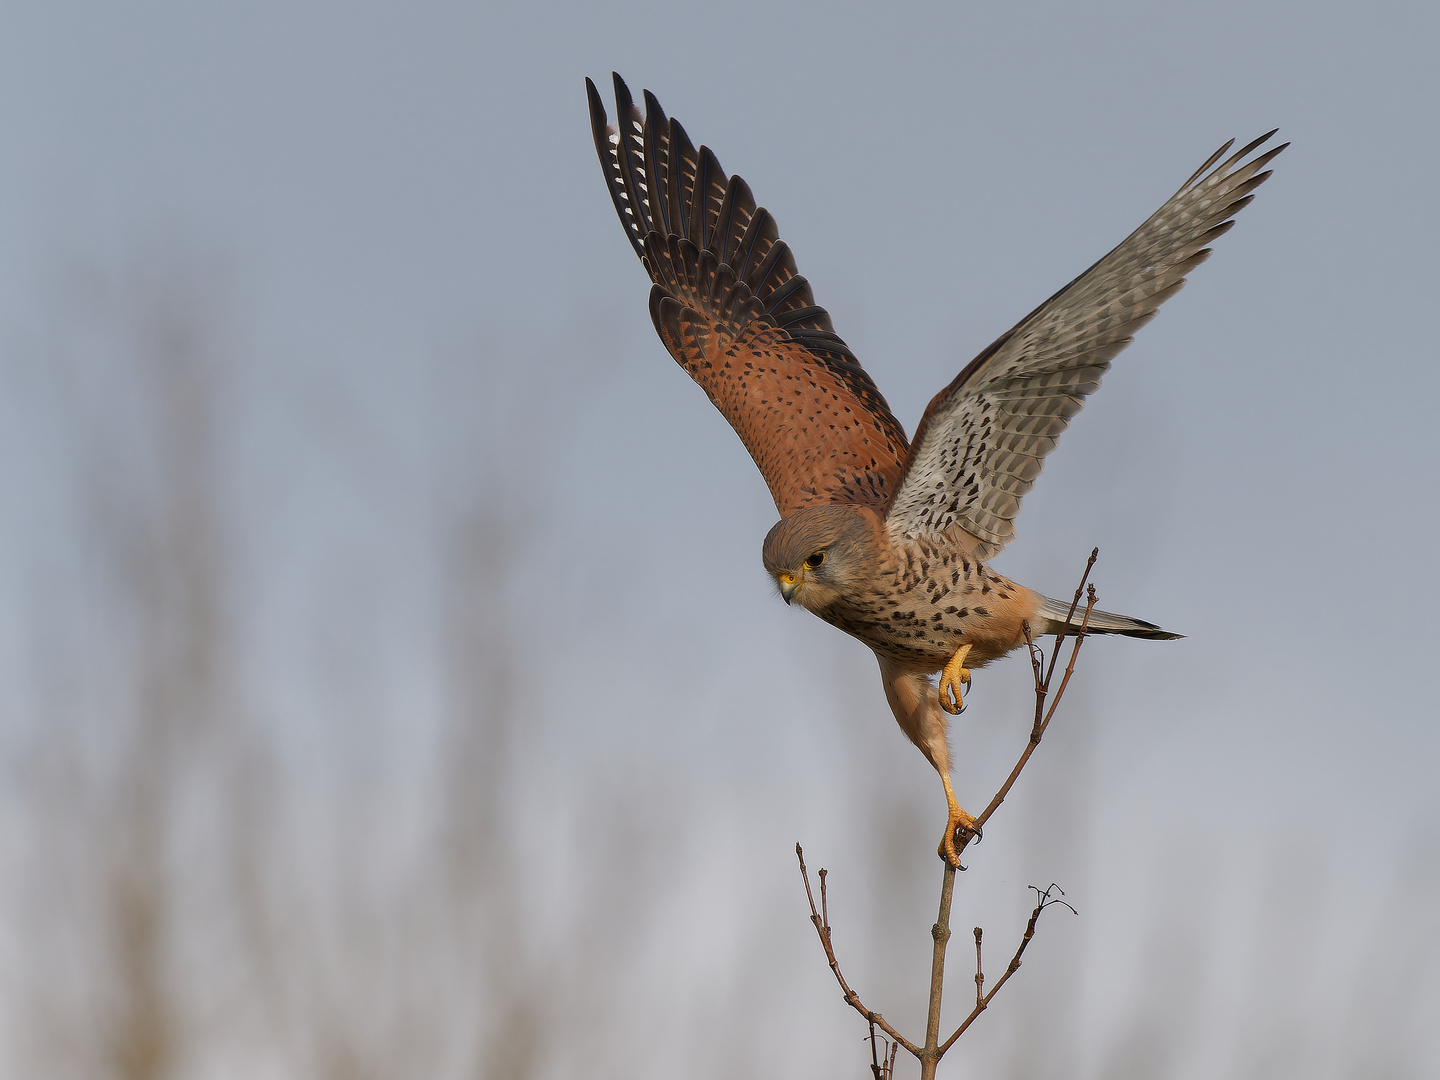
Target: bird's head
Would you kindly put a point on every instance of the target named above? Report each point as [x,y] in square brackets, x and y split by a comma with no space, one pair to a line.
[820,553]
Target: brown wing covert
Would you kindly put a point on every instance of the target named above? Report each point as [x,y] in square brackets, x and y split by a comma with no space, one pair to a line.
[730,306]
[984,438]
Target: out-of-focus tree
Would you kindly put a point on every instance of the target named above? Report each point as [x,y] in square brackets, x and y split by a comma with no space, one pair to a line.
[141,699]
[193,899]
[202,893]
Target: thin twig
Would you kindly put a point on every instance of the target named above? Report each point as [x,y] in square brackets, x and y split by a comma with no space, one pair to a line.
[882,1064]
[979,969]
[822,928]
[1042,715]
[1090,600]
[1045,900]
[1070,615]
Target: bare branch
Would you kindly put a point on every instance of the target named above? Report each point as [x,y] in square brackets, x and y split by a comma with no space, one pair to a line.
[822,928]
[1070,615]
[979,969]
[882,1061]
[1045,899]
[1042,715]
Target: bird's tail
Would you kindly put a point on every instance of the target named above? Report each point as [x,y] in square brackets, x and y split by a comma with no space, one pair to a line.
[1053,614]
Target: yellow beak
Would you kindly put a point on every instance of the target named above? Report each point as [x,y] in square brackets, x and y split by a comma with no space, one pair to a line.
[788,584]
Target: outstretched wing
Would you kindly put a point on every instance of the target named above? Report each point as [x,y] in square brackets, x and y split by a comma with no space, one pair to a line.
[729,305]
[983,439]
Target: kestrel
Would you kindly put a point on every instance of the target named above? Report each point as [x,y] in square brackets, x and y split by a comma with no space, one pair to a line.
[884,537]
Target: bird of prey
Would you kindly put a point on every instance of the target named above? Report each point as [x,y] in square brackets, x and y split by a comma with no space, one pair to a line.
[884,537]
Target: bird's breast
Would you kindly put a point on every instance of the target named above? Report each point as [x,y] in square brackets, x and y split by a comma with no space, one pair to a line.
[924,602]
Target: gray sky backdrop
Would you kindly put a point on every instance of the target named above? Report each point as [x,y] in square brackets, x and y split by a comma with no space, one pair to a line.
[394,218]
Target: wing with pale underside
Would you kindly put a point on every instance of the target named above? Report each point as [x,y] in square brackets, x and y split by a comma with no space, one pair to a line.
[984,438]
[729,305]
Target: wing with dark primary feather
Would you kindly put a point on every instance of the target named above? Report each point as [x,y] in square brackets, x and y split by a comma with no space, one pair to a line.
[731,308]
[983,439]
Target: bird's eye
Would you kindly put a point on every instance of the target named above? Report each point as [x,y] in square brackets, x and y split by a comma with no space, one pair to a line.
[815,559]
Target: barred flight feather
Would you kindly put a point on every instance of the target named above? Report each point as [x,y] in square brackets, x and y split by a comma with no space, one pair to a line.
[983,439]
[730,305]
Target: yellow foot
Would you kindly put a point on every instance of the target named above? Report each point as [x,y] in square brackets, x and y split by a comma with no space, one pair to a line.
[951,679]
[959,821]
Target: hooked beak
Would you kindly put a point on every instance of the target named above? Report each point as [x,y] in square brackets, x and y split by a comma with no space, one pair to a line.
[788,584]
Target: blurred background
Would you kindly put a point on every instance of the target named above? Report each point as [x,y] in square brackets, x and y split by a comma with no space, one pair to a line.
[391,687]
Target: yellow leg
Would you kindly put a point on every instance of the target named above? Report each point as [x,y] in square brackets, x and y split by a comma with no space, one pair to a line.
[958,819]
[951,679]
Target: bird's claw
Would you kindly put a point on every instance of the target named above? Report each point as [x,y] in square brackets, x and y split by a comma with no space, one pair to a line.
[948,849]
[955,675]
[959,821]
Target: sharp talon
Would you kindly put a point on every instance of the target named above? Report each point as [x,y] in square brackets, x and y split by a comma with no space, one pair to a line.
[949,855]
[956,820]
[947,852]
